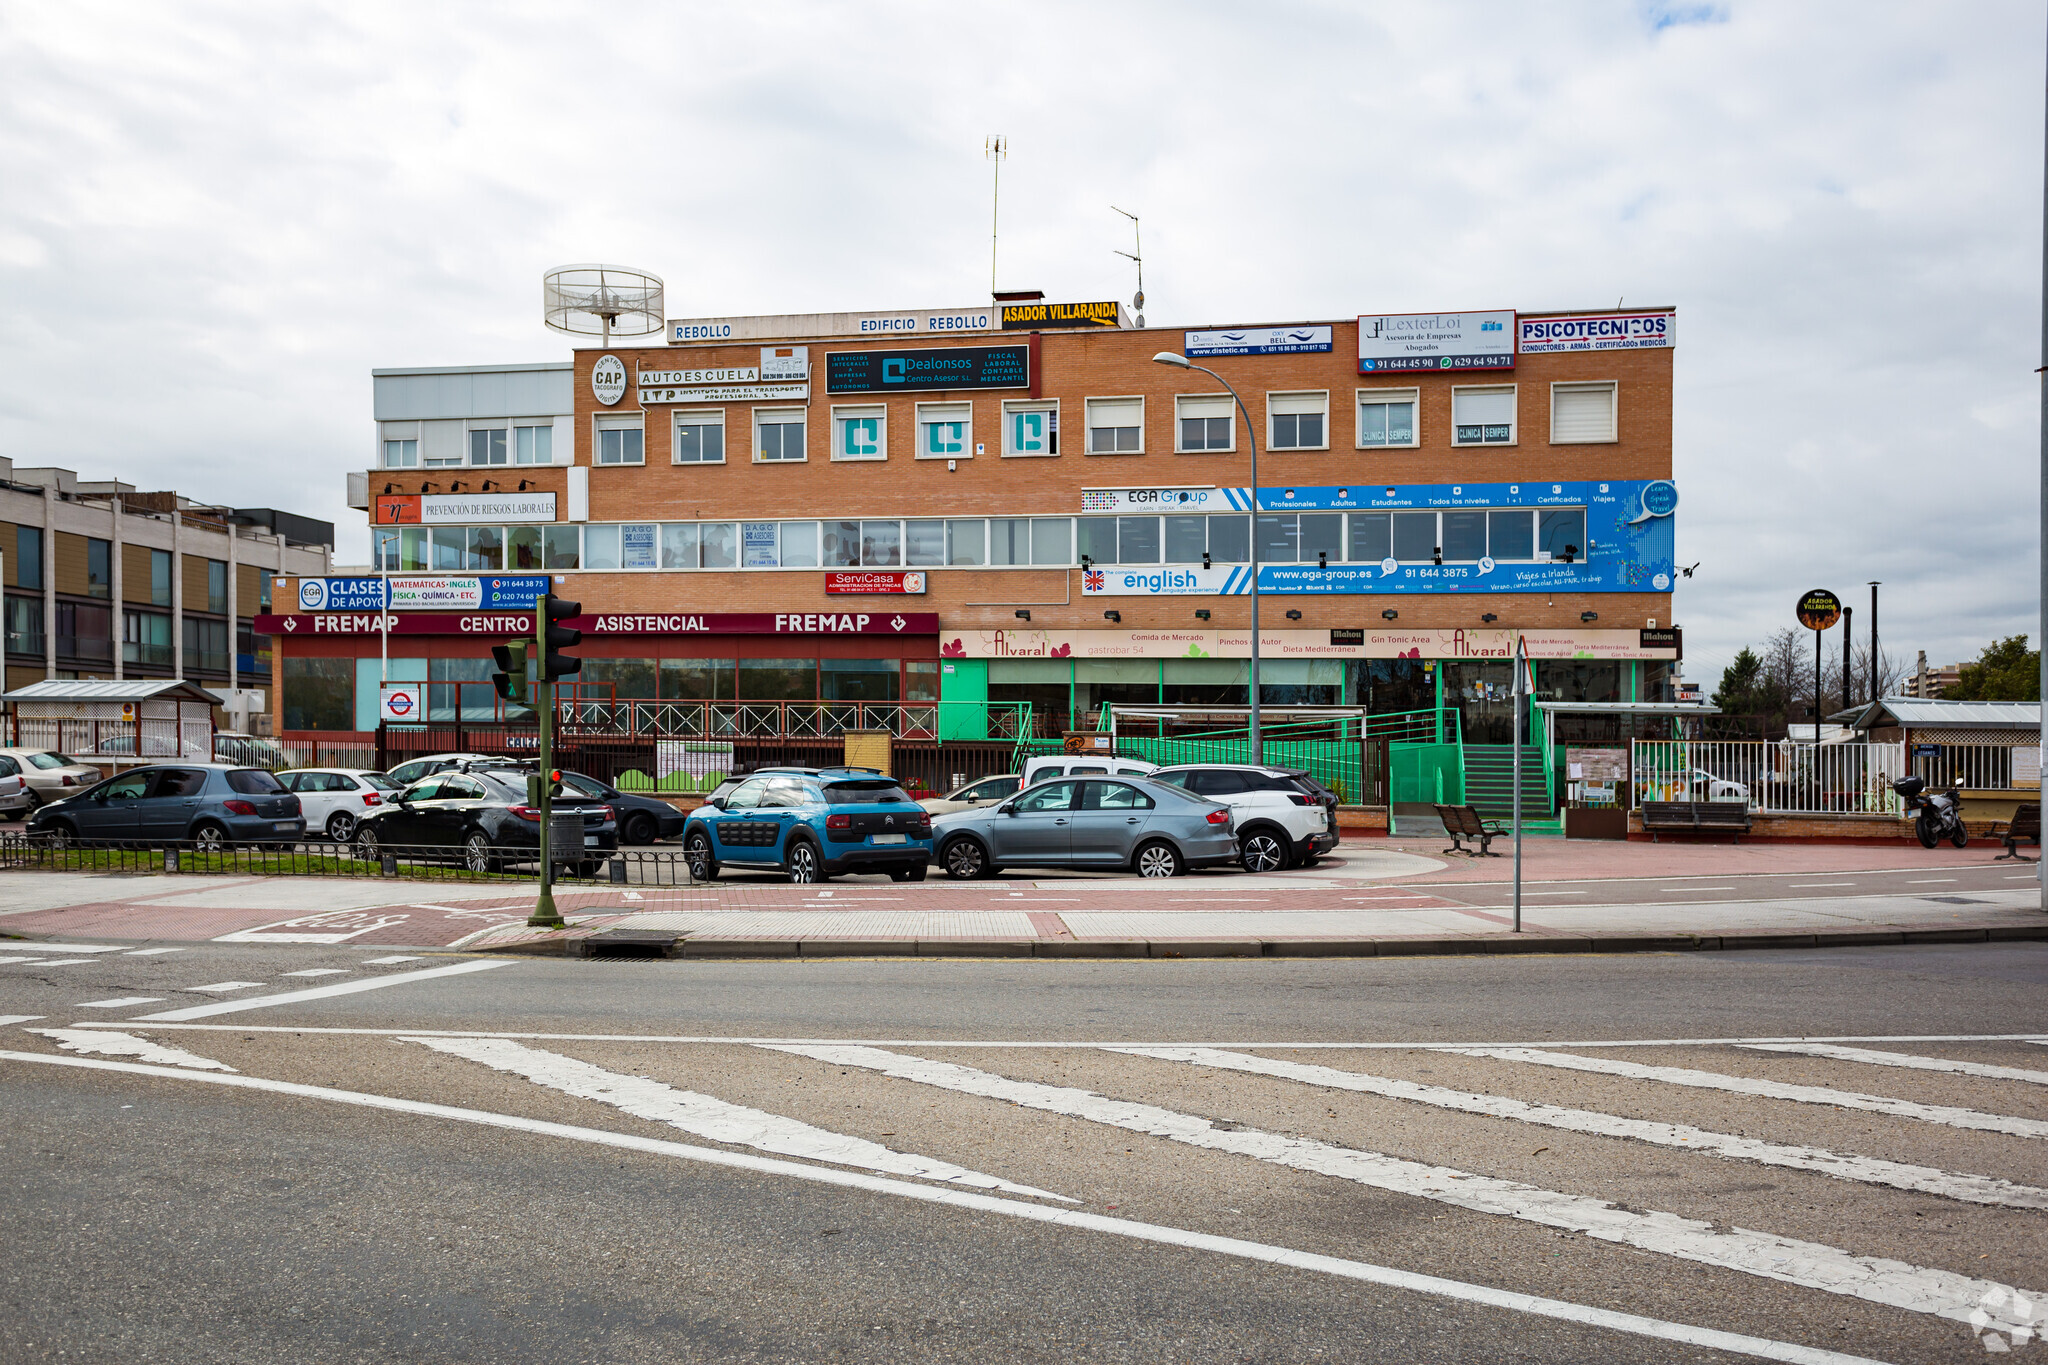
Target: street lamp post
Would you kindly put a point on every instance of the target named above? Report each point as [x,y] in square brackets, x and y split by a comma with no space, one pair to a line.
[1251,439]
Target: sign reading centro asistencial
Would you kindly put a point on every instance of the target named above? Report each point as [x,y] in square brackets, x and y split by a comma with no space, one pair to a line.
[1258,341]
[1394,342]
[772,327]
[1596,332]
[944,367]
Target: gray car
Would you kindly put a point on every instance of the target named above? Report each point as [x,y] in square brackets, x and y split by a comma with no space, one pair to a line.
[1106,823]
[211,806]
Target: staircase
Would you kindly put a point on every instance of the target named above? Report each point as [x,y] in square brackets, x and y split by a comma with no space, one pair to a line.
[1490,781]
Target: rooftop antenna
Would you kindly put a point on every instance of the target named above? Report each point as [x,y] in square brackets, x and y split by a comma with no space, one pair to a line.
[597,300]
[1137,257]
[995,149]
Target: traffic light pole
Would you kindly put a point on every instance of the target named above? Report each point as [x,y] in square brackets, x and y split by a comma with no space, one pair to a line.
[544,915]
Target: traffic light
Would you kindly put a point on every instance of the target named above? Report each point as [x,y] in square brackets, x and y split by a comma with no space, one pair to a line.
[510,679]
[549,783]
[553,637]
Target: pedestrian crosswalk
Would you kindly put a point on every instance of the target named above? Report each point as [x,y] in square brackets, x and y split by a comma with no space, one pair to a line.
[1873,1223]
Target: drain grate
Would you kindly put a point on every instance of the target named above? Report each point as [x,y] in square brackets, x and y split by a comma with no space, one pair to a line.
[628,943]
[1954,900]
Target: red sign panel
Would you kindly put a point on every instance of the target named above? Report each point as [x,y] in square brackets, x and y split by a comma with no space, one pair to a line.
[499,624]
[874,580]
[396,509]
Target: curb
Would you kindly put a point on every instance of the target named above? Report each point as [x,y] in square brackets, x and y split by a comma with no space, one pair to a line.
[1487,945]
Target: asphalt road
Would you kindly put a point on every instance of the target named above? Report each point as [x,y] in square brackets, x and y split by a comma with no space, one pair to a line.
[647,1182]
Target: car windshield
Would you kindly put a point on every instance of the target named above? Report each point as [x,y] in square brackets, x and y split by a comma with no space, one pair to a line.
[254,782]
[51,761]
[863,793]
[581,785]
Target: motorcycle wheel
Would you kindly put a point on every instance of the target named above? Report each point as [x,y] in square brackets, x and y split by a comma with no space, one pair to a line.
[1927,829]
[1959,836]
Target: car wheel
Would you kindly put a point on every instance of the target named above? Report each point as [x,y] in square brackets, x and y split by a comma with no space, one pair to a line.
[803,863]
[1158,859]
[639,829]
[210,838]
[587,871]
[369,848]
[341,827]
[964,860]
[477,855]
[697,853]
[33,802]
[1261,851]
[62,835]
[916,874]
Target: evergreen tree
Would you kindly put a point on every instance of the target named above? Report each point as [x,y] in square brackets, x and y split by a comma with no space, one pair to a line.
[2006,671]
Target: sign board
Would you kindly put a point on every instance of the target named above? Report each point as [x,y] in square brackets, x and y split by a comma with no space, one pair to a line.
[774,327]
[785,362]
[1046,316]
[874,581]
[1257,341]
[1421,644]
[420,593]
[1394,342]
[729,374]
[1663,639]
[1597,765]
[1347,636]
[1206,498]
[324,624]
[1819,609]
[460,509]
[729,393]
[1596,332]
[948,367]
[401,702]
[608,379]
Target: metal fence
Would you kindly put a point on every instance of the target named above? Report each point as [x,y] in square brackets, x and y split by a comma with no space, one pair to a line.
[1326,744]
[513,867]
[1773,777]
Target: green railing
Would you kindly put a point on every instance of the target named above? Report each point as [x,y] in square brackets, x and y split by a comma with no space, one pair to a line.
[1329,750]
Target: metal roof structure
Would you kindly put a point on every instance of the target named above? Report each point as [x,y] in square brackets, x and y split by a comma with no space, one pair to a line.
[1632,708]
[1924,712]
[119,690]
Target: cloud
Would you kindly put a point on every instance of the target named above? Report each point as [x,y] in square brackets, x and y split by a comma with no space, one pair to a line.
[219,219]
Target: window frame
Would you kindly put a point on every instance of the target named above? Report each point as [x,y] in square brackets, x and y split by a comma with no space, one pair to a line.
[486,429]
[1088,422]
[1323,394]
[846,412]
[1018,406]
[1611,387]
[1514,392]
[803,419]
[693,417]
[616,421]
[918,423]
[1360,397]
[534,440]
[1180,447]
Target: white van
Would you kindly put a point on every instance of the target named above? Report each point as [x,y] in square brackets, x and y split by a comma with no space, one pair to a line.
[1047,766]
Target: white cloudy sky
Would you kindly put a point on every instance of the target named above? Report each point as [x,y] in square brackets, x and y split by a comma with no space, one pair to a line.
[217,218]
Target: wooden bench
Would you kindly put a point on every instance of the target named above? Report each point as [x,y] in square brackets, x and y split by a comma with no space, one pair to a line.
[1462,823]
[1696,817]
[2024,825]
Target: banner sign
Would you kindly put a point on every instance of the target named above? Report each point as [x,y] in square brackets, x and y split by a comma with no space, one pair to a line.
[952,367]
[774,327]
[1436,341]
[1596,332]
[460,509]
[728,393]
[1204,499]
[1019,316]
[1358,643]
[420,593]
[400,701]
[666,623]
[1257,341]
[874,581]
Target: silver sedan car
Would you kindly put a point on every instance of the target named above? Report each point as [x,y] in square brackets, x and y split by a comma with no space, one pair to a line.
[1151,828]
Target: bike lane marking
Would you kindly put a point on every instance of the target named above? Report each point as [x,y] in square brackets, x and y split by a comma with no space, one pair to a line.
[321,992]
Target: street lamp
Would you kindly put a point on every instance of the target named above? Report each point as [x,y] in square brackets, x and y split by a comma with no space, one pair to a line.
[1174,358]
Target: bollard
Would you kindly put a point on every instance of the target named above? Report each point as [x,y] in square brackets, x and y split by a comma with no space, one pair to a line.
[170,858]
[618,867]
[389,866]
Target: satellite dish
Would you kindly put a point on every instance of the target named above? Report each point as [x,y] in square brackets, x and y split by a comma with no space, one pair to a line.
[600,300]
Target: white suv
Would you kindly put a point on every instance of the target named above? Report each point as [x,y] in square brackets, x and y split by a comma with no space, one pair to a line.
[1280,817]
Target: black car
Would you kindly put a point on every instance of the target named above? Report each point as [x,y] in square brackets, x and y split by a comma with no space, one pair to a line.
[480,817]
[642,819]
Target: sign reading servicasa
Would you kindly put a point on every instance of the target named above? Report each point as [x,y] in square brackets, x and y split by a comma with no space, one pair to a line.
[939,367]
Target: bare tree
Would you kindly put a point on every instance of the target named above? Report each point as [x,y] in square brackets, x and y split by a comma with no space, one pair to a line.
[1890,674]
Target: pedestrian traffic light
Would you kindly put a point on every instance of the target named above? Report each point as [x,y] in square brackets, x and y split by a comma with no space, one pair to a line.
[548,784]
[555,666]
[510,679]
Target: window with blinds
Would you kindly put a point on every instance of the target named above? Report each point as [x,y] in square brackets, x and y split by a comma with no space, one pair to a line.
[1297,421]
[1581,413]
[1116,426]
[1203,423]
[1483,416]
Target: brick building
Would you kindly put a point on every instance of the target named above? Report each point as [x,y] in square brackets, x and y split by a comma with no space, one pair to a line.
[1017,504]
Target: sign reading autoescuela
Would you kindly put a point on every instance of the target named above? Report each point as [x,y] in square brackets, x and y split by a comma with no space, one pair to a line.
[939,367]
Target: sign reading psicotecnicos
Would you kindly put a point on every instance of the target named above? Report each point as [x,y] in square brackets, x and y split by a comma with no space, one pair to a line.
[1393,342]
[1258,341]
[1596,332]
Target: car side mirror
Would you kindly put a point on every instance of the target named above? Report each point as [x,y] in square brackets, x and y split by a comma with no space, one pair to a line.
[1008,809]
[717,801]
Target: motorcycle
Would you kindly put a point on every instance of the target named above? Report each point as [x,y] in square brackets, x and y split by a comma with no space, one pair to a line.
[1934,813]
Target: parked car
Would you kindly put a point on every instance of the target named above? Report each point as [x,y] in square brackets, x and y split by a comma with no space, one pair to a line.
[1048,766]
[1281,818]
[1154,828]
[248,751]
[985,792]
[811,824]
[1701,785]
[209,805]
[729,785]
[480,818]
[412,770]
[334,799]
[14,796]
[642,819]
[51,776]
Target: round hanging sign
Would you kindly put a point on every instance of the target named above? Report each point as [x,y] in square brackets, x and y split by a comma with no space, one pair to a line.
[1819,609]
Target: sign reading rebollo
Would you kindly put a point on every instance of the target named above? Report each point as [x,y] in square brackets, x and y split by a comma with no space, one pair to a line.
[1819,609]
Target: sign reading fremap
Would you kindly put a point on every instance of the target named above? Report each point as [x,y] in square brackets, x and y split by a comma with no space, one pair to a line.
[1394,342]
[773,327]
[1596,332]
[1258,341]
[1046,316]
[950,367]
[460,509]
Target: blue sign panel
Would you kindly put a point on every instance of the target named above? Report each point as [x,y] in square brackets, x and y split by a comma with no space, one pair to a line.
[525,590]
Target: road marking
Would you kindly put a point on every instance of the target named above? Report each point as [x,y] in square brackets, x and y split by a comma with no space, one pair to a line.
[1810,1265]
[2022,877]
[127,1045]
[1972,1189]
[387,961]
[712,1118]
[152,952]
[1774,1090]
[54,961]
[225,986]
[122,1002]
[1695,888]
[24,946]
[1656,1328]
[1527,894]
[1931,881]
[318,971]
[324,992]
[1808,886]
[6,1019]
[1216,900]
[1859,1054]
[5,961]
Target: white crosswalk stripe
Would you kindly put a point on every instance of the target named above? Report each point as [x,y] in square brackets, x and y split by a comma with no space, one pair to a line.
[107,1043]
[1836,1052]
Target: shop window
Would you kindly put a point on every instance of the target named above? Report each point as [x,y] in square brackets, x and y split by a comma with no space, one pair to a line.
[719,543]
[700,438]
[779,435]
[1205,682]
[861,680]
[860,433]
[679,545]
[1386,417]
[1300,682]
[487,446]
[628,678]
[945,431]
[881,544]
[967,541]
[758,549]
[1561,533]
[924,543]
[921,680]
[1511,534]
[1483,416]
[696,679]
[1203,423]
[1297,421]
[1230,539]
[1031,428]
[1101,682]
[457,689]
[778,679]
[1464,536]
[523,548]
[401,454]
[1371,537]
[1047,684]
[1116,426]
[619,441]
[533,445]
[1581,414]
[28,557]
[799,544]
[562,546]
[319,694]
[484,550]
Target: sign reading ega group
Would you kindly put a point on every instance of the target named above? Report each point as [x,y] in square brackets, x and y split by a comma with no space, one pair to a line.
[1393,342]
[908,322]
[948,367]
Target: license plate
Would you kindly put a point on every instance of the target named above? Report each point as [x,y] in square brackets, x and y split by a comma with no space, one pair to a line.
[286,825]
[889,838]
[590,841]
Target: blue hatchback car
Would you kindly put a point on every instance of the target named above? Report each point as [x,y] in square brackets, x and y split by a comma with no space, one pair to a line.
[811,823]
